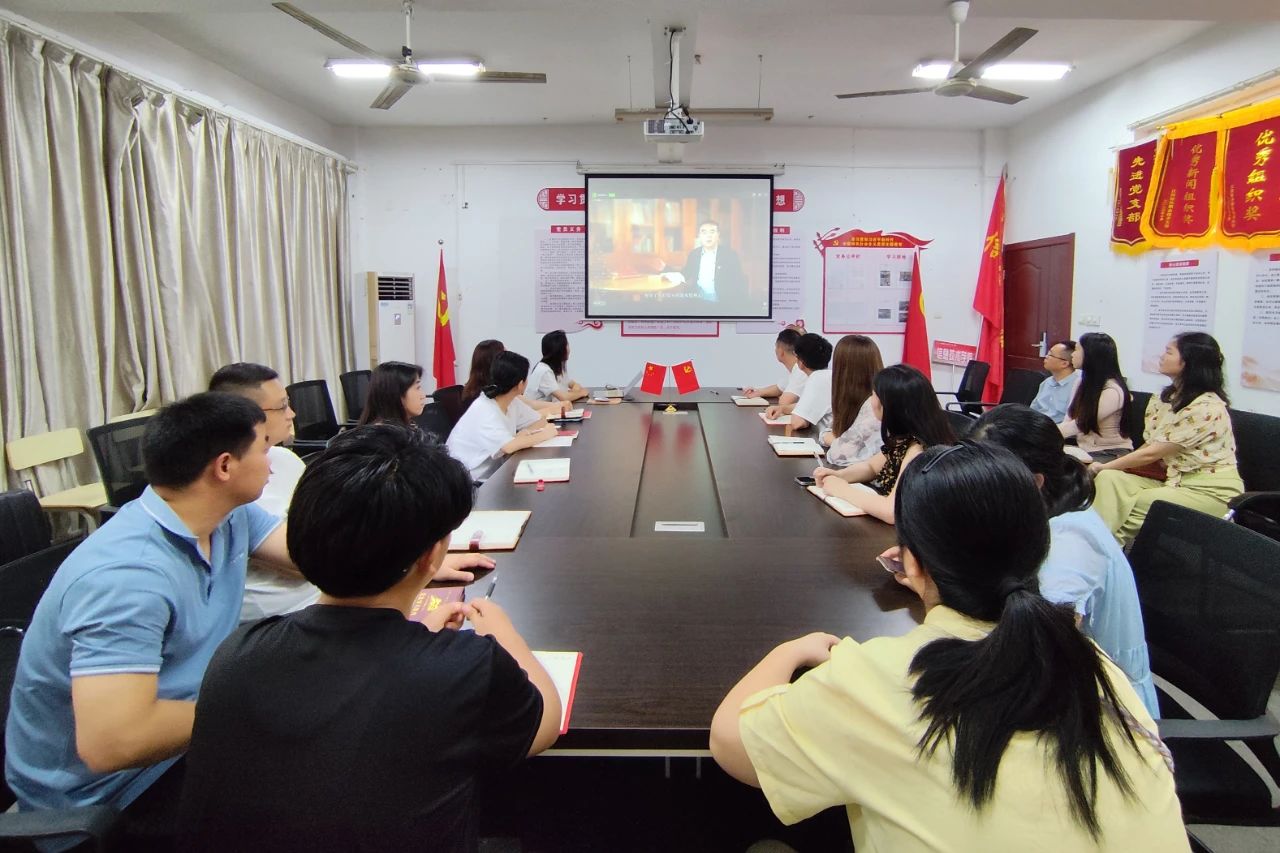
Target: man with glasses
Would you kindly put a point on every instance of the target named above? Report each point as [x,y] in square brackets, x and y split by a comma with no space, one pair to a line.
[268,591]
[1056,391]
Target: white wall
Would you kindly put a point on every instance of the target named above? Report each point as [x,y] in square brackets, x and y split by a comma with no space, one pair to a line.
[1060,181]
[475,188]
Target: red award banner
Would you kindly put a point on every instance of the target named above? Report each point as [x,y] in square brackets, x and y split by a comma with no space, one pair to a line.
[1181,211]
[1133,182]
[1251,178]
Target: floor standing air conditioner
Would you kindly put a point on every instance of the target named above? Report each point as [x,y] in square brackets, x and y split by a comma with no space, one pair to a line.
[392,329]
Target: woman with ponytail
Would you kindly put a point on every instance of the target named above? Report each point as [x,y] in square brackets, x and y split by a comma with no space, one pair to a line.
[995,725]
[1085,568]
[497,422]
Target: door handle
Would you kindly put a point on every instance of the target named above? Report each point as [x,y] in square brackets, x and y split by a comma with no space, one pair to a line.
[1042,346]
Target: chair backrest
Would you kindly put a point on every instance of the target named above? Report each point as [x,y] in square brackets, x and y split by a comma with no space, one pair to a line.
[314,419]
[355,391]
[24,580]
[972,381]
[117,448]
[132,416]
[1136,416]
[33,450]
[1257,449]
[450,399]
[434,422]
[1210,596]
[10,646]
[24,527]
[1021,386]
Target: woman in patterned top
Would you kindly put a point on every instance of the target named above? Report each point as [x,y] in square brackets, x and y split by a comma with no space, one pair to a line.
[1188,437]
[911,421]
[855,429]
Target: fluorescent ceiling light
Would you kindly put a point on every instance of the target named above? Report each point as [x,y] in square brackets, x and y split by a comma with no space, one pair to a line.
[939,69]
[452,68]
[358,69]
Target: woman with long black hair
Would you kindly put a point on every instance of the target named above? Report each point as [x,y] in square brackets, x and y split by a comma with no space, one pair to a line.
[910,421]
[548,380]
[1190,453]
[995,725]
[1096,413]
[395,394]
[1085,568]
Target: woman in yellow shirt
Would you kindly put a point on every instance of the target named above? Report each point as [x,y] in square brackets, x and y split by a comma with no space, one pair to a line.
[1189,457]
[995,725]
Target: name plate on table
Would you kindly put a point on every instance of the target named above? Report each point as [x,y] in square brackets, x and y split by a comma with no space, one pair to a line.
[679,527]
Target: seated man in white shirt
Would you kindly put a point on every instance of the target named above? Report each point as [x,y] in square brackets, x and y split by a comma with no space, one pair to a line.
[268,591]
[784,349]
[813,356]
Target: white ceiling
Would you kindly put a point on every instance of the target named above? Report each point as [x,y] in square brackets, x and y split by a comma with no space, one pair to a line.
[811,50]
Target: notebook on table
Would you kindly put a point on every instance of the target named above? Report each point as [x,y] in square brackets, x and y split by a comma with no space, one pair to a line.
[563,667]
[490,530]
[840,505]
[789,446]
[544,470]
[739,400]
[430,600]
[784,420]
[558,440]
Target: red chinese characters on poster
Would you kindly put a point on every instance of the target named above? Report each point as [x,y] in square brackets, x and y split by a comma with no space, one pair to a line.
[1133,180]
[562,198]
[1251,184]
[787,201]
[1180,210]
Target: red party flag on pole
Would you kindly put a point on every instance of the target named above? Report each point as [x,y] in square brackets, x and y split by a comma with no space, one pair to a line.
[686,378]
[443,357]
[988,300]
[915,345]
[654,375]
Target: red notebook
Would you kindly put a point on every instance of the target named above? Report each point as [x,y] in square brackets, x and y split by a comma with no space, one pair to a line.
[563,667]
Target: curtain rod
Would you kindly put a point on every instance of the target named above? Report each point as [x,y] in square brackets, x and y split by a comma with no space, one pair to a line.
[168,86]
[1159,118]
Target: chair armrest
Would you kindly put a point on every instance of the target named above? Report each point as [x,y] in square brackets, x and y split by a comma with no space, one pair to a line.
[1255,729]
[78,823]
[947,393]
[960,407]
[1242,501]
[307,445]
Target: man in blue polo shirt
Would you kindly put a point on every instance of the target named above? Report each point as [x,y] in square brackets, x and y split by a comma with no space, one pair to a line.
[104,696]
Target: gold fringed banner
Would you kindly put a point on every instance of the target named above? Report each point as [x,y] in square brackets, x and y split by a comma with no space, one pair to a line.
[1182,208]
[1251,178]
[1132,185]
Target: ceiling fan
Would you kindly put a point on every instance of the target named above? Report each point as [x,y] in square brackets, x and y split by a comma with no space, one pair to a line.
[404,71]
[962,80]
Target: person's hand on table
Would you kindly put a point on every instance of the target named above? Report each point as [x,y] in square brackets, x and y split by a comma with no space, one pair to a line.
[749,391]
[448,615]
[820,473]
[545,431]
[454,567]
[773,412]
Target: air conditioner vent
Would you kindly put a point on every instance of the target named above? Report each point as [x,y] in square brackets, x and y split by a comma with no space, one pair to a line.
[395,288]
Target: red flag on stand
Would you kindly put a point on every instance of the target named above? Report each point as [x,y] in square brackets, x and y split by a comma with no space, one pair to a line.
[686,379]
[988,300]
[654,375]
[443,357]
[915,345]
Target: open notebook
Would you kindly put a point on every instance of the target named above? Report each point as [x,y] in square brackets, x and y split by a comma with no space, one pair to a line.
[546,470]
[840,505]
[558,440]
[782,420]
[491,530]
[789,446]
[739,400]
[563,667]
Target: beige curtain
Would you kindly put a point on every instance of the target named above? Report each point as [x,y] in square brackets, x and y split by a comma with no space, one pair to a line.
[146,240]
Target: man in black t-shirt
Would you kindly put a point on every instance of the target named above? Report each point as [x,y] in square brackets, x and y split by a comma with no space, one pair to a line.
[346,726]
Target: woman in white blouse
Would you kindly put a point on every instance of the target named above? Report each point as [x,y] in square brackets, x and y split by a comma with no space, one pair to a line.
[855,429]
[1096,415]
[498,423]
[548,380]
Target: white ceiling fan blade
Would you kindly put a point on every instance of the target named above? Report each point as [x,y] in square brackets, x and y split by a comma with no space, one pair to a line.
[986,93]
[886,92]
[489,77]
[1014,39]
[393,92]
[326,30]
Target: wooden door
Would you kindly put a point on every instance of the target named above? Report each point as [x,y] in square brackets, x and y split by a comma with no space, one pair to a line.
[1037,298]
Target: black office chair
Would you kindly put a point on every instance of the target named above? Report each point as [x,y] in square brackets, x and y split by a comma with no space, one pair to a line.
[450,400]
[22,582]
[1210,597]
[435,422]
[1136,416]
[355,390]
[972,381]
[314,422]
[117,448]
[1258,457]
[24,526]
[1020,386]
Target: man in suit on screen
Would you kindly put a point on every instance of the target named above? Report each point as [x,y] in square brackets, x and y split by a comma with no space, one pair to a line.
[713,271]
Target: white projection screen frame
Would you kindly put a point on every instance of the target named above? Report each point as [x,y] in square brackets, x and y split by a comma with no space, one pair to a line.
[679,247]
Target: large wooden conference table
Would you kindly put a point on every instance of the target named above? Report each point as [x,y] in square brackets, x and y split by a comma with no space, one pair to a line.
[668,622]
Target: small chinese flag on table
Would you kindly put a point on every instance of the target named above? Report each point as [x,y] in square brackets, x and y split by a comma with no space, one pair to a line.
[654,376]
[686,379]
